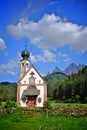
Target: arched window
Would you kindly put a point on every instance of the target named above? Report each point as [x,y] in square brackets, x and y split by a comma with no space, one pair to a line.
[22,66]
[39,100]
[32,80]
[27,65]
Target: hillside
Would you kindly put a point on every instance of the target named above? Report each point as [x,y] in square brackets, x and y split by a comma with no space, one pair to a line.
[51,79]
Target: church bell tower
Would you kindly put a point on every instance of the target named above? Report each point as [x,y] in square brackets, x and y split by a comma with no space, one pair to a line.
[24,63]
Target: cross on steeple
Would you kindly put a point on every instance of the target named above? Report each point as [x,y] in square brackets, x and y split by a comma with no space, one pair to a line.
[26,45]
[25,54]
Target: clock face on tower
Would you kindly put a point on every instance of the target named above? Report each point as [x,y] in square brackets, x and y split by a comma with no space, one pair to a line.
[32,80]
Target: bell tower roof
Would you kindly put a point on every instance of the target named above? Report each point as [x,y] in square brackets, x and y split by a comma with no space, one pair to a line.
[25,54]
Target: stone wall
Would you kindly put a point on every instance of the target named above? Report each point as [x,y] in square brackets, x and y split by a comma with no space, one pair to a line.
[69,111]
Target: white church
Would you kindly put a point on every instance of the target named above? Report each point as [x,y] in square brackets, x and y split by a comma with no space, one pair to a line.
[32,88]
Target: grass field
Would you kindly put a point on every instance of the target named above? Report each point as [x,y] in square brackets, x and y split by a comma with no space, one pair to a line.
[25,119]
[73,105]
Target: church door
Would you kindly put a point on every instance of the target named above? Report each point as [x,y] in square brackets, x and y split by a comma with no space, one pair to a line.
[31,101]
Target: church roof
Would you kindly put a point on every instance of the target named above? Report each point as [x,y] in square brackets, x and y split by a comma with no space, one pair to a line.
[25,54]
[31,92]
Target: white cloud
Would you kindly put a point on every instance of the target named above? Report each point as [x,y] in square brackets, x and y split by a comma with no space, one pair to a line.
[62,54]
[47,56]
[64,57]
[11,72]
[51,32]
[9,68]
[2,44]
[67,59]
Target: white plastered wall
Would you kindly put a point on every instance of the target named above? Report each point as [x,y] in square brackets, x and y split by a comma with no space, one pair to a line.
[41,88]
[23,104]
[39,85]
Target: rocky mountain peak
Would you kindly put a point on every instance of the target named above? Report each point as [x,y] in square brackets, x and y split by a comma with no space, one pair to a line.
[72,68]
[56,69]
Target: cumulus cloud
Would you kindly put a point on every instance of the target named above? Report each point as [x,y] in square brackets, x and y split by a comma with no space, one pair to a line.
[46,56]
[51,32]
[9,68]
[2,44]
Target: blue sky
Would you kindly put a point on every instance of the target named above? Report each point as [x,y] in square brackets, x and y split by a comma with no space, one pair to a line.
[55,31]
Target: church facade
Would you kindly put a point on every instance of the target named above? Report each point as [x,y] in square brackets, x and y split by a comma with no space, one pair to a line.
[32,88]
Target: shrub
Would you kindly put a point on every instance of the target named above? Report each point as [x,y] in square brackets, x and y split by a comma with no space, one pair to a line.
[10,104]
[77,97]
[47,105]
[64,98]
[69,100]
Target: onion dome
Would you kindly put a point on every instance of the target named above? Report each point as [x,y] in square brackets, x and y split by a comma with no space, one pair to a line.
[25,54]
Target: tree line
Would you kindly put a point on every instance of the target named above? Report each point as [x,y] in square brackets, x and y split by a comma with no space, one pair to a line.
[73,88]
[8,92]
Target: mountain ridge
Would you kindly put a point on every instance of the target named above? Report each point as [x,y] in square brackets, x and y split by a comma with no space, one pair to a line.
[72,68]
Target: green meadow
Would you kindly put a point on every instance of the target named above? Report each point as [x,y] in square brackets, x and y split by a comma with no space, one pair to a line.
[37,119]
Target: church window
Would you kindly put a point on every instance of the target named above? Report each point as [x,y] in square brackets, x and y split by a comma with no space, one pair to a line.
[39,100]
[32,80]
[23,99]
[22,65]
[39,81]
[27,65]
